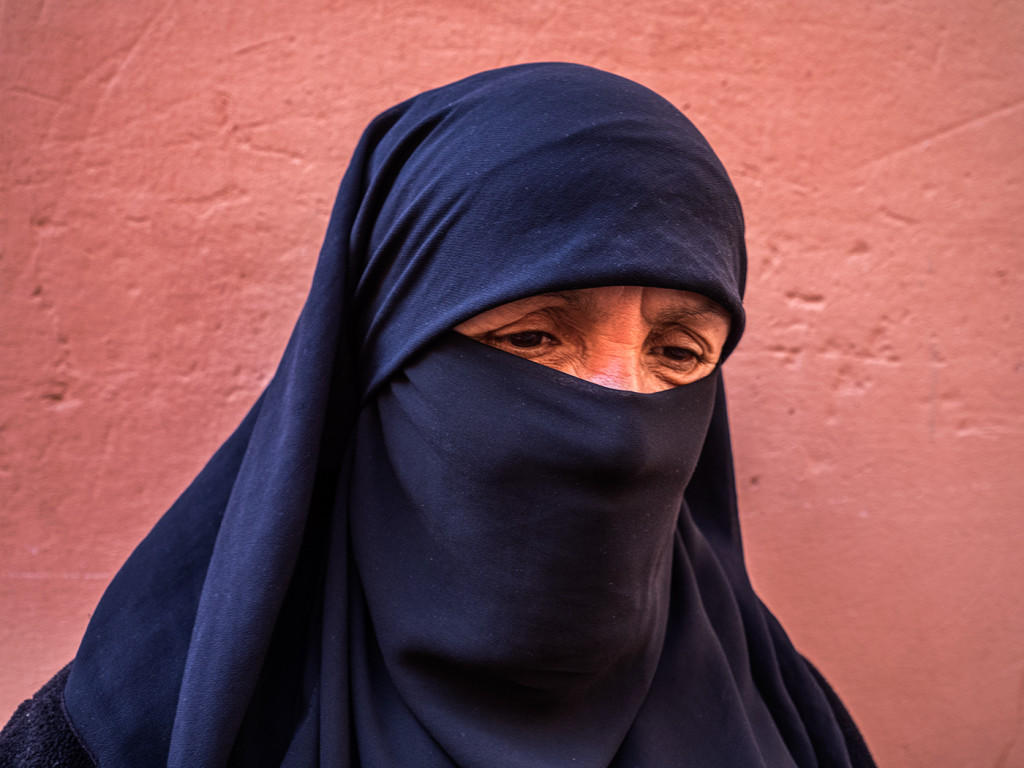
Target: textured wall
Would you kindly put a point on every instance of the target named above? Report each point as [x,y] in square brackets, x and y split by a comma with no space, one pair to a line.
[167,171]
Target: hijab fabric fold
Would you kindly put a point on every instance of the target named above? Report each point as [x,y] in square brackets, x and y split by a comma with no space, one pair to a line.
[420,551]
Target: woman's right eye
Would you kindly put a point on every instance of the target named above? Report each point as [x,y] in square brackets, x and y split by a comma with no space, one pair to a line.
[526,339]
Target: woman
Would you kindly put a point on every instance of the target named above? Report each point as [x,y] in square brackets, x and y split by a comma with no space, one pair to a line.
[421,550]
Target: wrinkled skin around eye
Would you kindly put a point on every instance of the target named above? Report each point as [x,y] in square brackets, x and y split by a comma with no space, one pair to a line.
[623,337]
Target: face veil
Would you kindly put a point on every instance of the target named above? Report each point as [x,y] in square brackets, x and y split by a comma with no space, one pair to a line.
[419,551]
[536,518]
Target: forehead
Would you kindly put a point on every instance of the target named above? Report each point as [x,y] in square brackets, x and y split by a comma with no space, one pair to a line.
[597,299]
[655,304]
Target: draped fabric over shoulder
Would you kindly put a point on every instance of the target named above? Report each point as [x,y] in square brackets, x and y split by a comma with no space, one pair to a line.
[417,550]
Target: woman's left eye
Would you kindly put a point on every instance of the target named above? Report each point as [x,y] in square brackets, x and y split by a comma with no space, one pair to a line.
[678,354]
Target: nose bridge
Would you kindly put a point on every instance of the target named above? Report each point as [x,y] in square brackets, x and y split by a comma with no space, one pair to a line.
[614,330]
[614,353]
[614,366]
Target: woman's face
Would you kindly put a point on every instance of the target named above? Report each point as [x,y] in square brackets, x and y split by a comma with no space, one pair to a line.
[623,337]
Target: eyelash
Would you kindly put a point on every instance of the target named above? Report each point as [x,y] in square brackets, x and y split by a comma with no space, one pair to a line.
[545,342]
[692,356]
[511,338]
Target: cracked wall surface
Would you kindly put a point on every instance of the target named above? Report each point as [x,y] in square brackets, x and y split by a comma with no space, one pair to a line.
[166,173]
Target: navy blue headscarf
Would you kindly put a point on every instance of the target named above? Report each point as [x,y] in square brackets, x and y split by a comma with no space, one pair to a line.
[420,551]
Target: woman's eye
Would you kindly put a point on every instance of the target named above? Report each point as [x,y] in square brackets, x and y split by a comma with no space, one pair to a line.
[526,339]
[678,354]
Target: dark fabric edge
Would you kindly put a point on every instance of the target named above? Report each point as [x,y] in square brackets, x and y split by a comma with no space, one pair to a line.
[860,755]
[71,723]
[40,733]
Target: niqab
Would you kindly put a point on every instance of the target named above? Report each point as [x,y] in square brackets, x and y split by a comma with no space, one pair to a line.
[420,551]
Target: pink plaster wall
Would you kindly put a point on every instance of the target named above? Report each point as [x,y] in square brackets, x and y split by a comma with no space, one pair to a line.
[167,171]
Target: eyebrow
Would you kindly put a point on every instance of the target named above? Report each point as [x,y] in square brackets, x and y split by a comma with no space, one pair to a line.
[704,308]
[707,309]
[563,299]
[699,308]
[573,298]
